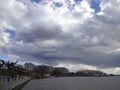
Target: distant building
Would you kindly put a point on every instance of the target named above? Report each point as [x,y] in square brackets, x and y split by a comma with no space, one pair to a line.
[90,73]
[29,66]
[60,71]
[49,71]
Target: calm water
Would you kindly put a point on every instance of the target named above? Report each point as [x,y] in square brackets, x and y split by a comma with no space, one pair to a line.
[74,83]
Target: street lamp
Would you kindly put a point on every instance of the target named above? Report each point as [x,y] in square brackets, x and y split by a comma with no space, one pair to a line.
[1,63]
[10,66]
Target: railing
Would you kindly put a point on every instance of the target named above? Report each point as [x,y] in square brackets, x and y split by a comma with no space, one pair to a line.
[9,79]
[10,73]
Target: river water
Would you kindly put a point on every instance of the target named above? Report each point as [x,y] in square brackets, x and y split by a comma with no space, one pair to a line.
[74,83]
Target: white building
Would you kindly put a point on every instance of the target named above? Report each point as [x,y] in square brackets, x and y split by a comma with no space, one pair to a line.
[91,73]
[29,66]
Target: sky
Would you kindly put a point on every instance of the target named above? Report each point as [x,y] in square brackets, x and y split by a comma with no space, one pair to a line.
[77,34]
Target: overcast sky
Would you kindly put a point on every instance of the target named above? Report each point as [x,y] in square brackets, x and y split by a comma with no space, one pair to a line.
[77,34]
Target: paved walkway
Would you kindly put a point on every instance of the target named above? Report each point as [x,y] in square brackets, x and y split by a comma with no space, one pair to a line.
[11,85]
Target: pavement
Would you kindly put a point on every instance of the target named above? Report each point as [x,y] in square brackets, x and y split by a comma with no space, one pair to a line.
[14,85]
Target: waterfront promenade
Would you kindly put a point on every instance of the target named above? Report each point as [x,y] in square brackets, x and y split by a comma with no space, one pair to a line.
[13,84]
[74,83]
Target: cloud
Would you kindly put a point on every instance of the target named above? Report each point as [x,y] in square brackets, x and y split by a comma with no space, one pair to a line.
[40,31]
[72,32]
[4,38]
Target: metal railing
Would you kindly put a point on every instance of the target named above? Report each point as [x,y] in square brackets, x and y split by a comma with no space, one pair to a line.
[10,73]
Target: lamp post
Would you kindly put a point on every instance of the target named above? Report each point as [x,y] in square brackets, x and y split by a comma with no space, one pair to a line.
[1,64]
[10,66]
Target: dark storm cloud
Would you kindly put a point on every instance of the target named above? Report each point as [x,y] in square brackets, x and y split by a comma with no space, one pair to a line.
[40,31]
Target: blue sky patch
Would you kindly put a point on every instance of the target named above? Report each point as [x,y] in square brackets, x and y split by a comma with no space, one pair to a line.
[77,1]
[4,57]
[11,32]
[57,4]
[95,4]
[71,6]
[36,1]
